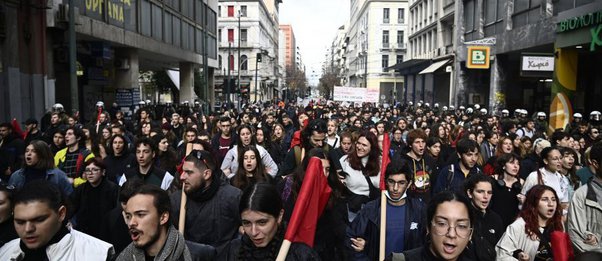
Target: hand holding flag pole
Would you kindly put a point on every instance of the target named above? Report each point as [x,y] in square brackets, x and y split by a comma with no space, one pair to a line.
[312,199]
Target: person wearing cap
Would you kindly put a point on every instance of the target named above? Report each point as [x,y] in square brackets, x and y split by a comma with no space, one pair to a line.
[541,124]
[31,130]
[505,113]
[595,118]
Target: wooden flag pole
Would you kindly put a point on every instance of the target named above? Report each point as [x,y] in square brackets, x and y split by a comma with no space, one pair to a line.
[182,218]
[286,245]
[383,225]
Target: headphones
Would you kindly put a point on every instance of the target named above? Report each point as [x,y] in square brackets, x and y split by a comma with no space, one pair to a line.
[515,186]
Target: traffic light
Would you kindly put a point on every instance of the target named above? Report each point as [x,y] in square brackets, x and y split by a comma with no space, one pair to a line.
[259,57]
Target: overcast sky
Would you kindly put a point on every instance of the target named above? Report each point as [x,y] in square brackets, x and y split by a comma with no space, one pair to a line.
[315,23]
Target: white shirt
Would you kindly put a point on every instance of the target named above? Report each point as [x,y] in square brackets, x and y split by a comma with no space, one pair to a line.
[554,180]
[355,180]
[334,142]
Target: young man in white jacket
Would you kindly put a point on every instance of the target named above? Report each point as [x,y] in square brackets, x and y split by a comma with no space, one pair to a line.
[40,218]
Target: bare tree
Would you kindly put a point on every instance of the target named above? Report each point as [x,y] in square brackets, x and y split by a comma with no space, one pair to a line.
[296,80]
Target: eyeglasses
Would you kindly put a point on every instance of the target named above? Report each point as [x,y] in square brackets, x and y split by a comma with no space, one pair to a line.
[88,171]
[442,228]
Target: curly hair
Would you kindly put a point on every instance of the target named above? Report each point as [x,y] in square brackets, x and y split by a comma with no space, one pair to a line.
[530,212]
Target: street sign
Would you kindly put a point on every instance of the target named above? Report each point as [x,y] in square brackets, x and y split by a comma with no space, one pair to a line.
[478,57]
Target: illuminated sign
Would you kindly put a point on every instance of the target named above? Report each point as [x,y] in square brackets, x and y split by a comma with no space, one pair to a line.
[478,57]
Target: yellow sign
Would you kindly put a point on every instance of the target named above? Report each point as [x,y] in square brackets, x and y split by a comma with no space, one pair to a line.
[478,57]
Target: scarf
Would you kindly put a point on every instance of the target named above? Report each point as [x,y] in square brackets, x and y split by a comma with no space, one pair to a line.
[202,195]
[40,253]
[174,249]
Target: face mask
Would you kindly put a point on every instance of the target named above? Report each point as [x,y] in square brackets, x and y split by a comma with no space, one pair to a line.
[405,195]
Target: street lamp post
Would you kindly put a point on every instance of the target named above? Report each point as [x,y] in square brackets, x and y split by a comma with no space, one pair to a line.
[239,62]
[256,69]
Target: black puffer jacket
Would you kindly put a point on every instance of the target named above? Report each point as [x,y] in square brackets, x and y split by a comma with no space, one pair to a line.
[297,251]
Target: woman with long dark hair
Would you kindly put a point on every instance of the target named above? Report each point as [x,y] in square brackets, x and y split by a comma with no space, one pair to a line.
[263,229]
[528,238]
[507,188]
[246,138]
[250,169]
[119,159]
[362,166]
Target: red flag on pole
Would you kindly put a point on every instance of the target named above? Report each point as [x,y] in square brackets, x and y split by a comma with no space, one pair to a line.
[309,206]
[385,160]
[17,128]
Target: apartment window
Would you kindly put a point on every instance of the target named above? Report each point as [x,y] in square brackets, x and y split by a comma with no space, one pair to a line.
[386,15]
[219,35]
[469,15]
[231,63]
[385,62]
[527,12]
[243,36]
[230,11]
[219,60]
[399,59]
[494,12]
[243,11]
[385,38]
[219,11]
[401,15]
[244,63]
[230,35]
[400,39]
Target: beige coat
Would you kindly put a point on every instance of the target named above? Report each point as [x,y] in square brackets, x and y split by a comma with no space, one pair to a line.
[584,218]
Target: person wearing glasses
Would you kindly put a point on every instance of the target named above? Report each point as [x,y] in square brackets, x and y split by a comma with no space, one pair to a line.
[449,230]
[7,227]
[405,228]
[528,238]
[548,174]
[93,199]
[212,215]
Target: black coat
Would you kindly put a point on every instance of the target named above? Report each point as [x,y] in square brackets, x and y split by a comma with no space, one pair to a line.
[487,231]
[214,221]
[297,251]
[90,203]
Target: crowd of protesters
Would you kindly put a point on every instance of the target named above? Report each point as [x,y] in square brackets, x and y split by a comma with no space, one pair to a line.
[177,184]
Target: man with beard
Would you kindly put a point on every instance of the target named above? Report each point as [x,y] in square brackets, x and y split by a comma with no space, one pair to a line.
[146,171]
[212,215]
[405,227]
[72,158]
[40,217]
[147,214]
[313,136]
[32,132]
[420,164]
[452,177]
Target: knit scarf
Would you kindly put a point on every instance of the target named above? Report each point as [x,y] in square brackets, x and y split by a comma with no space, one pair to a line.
[174,249]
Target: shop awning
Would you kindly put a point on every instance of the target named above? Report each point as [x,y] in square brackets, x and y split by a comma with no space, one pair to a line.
[435,66]
[410,66]
[175,77]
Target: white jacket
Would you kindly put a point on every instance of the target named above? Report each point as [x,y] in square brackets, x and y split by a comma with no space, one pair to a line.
[513,239]
[230,163]
[72,247]
[355,180]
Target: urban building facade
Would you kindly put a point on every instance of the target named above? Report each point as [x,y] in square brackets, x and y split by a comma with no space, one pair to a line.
[427,70]
[115,40]
[248,38]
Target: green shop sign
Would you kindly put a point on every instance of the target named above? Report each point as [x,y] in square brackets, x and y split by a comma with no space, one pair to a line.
[593,20]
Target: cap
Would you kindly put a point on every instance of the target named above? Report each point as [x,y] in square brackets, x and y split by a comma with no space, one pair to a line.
[100,104]
[505,111]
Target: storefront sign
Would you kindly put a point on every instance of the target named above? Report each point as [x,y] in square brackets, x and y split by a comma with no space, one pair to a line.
[538,63]
[578,22]
[114,10]
[596,37]
[478,57]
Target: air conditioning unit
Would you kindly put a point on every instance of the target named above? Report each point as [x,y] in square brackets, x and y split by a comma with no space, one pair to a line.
[122,64]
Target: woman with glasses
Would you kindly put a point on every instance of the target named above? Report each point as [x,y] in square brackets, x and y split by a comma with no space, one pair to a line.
[450,225]
[40,164]
[93,199]
[507,188]
[548,174]
[528,238]
[7,226]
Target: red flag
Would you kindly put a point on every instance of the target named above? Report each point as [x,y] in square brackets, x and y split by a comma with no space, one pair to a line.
[386,160]
[310,204]
[562,249]
[17,128]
